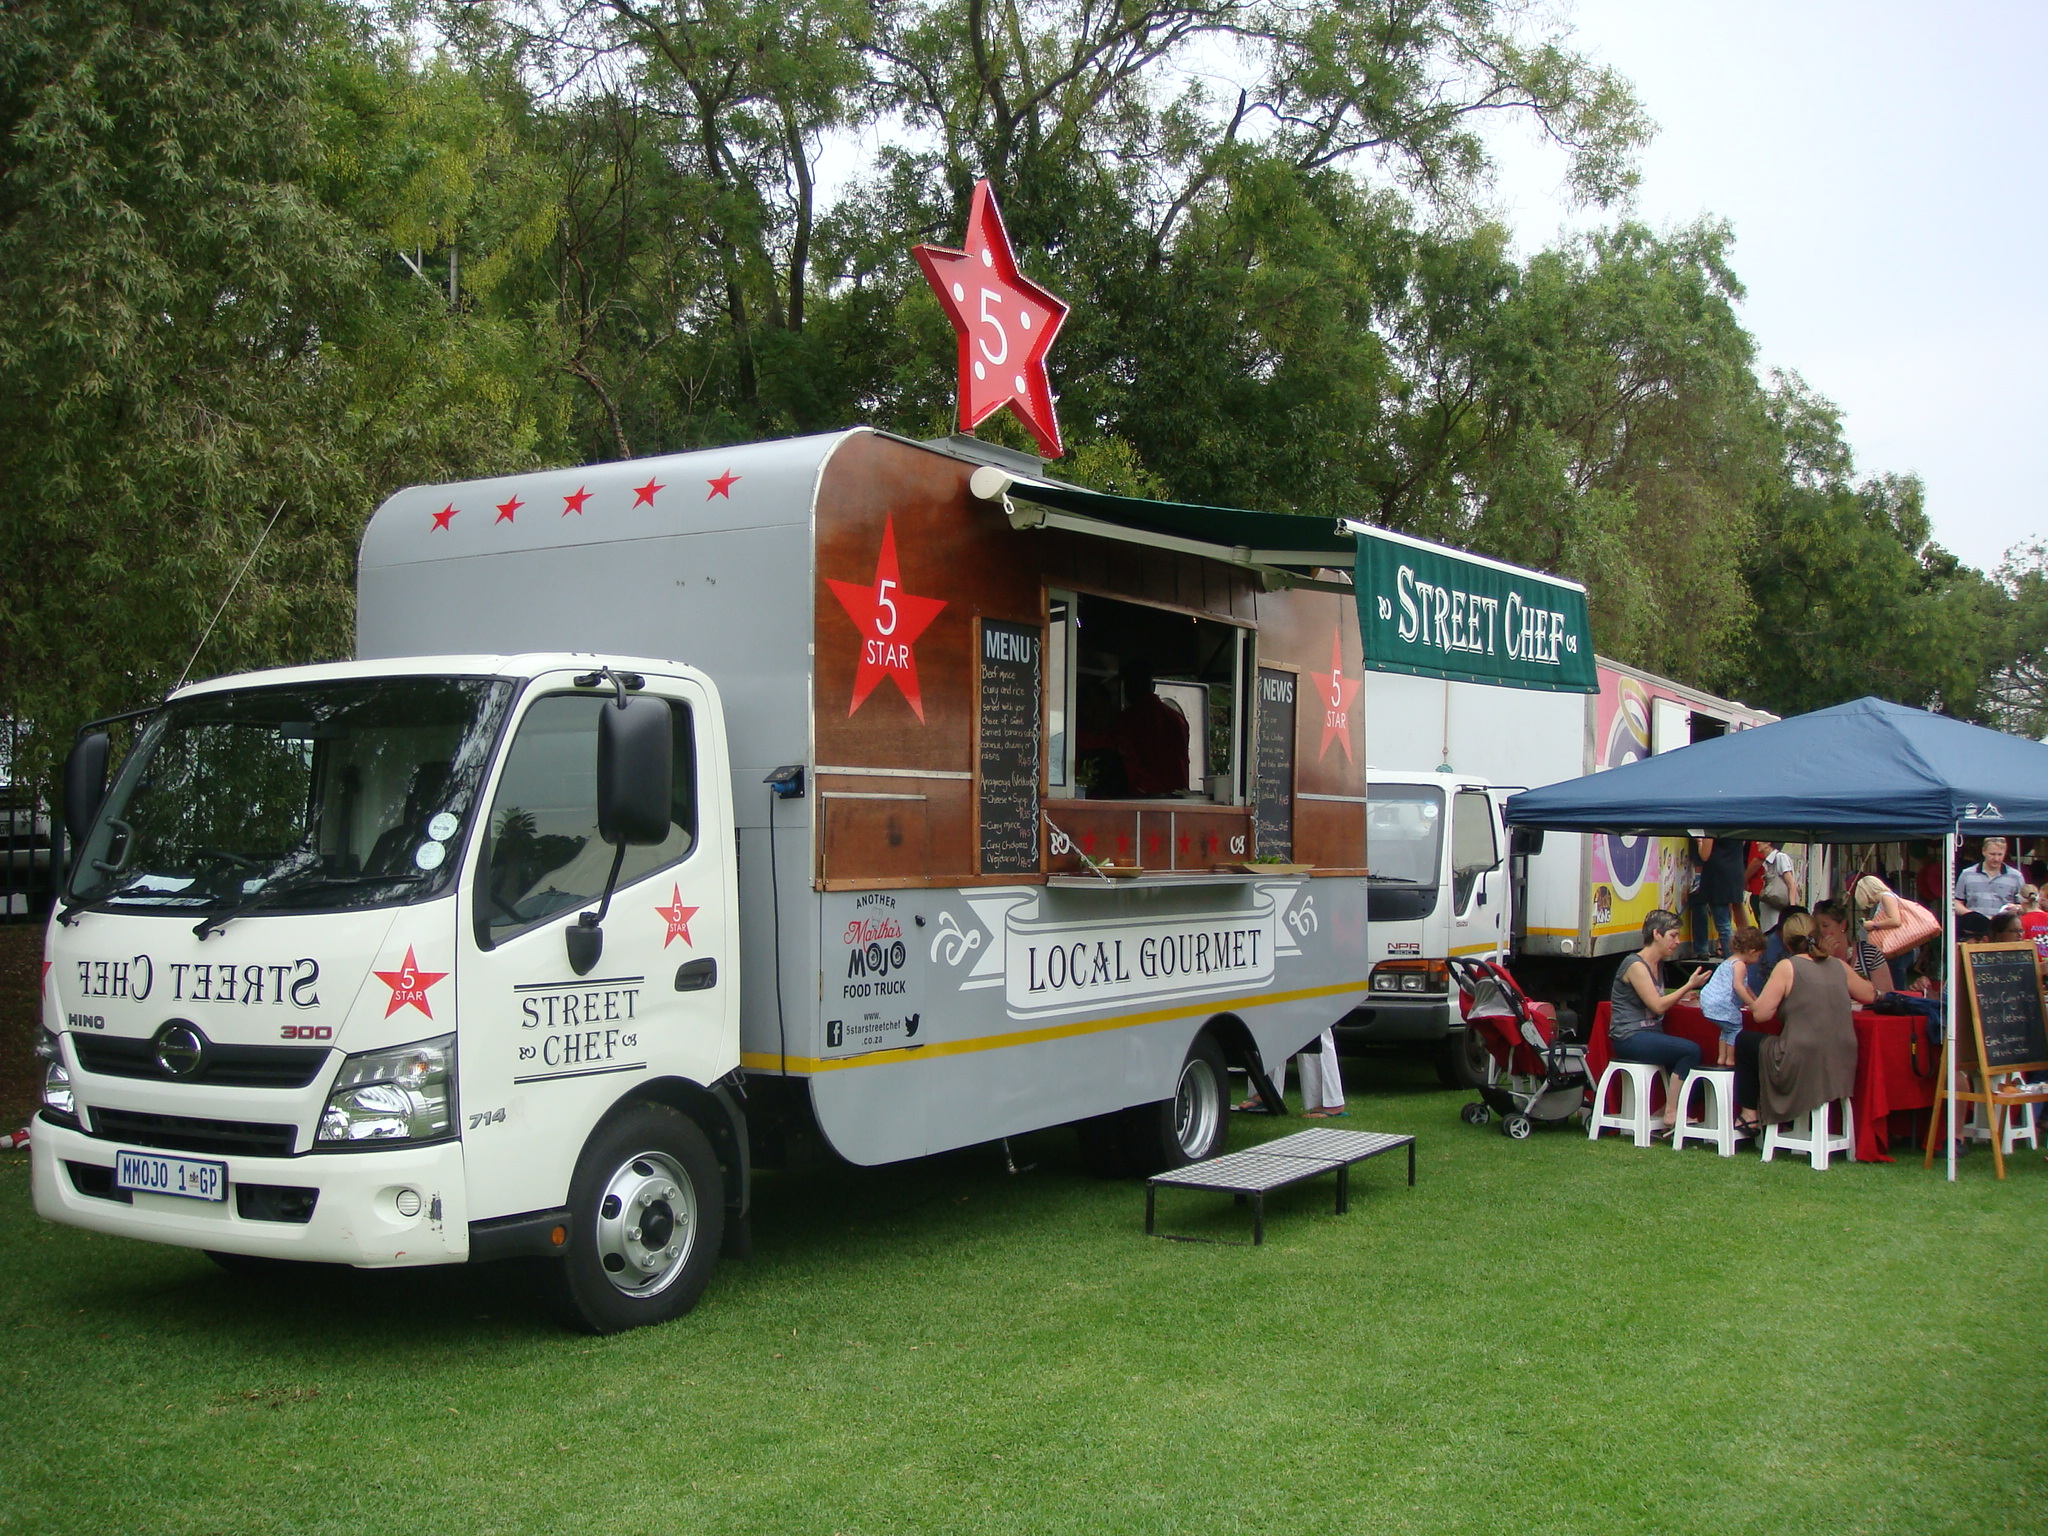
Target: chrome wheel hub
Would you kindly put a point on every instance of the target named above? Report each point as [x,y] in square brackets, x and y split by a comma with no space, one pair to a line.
[646,1224]
[1197,1108]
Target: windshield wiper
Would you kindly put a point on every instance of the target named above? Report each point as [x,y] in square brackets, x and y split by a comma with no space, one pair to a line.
[69,914]
[285,885]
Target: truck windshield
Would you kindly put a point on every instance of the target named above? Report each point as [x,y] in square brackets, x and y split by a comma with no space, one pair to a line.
[1404,834]
[343,794]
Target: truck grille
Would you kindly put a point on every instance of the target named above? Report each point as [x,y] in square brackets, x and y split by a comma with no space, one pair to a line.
[181,1133]
[223,1066]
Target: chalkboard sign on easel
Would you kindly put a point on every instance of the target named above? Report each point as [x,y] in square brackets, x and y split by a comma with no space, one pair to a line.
[1273,766]
[1007,753]
[2006,1003]
[2008,1034]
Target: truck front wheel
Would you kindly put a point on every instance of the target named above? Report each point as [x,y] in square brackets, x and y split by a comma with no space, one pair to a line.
[1462,1060]
[647,1215]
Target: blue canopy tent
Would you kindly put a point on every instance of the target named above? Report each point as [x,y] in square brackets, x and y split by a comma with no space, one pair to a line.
[1867,771]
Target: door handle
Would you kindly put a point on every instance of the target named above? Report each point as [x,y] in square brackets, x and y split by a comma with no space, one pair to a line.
[696,975]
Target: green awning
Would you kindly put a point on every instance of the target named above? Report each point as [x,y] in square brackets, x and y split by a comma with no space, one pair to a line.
[1276,542]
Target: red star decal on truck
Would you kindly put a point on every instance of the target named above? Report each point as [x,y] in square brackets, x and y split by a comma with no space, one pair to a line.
[575,503]
[506,509]
[889,620]
[723,485]
[1337,692]
[445,516]
[677,916]
[1005,322]
[643,495]
[409,985]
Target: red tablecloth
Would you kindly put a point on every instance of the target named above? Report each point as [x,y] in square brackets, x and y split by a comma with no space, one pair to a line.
[1896,1065]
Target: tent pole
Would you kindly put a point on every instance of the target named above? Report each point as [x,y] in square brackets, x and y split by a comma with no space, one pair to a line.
[1953,1055]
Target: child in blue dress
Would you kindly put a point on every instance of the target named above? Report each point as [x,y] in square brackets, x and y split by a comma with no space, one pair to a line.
[1727,992]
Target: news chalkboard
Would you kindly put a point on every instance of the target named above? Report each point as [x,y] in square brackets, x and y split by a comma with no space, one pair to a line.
[1273,766]
[2005,999]
[1008,744]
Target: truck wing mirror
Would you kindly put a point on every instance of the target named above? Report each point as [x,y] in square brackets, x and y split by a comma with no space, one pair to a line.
[1526,840]
[85,784]
[635,772]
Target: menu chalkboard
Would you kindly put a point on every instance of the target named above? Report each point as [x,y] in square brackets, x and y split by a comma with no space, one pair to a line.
[1273,805]
[1008,747]
[2005,995]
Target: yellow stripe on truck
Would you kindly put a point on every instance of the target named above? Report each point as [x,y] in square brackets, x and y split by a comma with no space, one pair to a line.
[762,1062]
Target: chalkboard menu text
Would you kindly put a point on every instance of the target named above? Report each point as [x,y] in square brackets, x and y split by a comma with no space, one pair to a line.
[2005,996]
[1008,747]
[1273,805]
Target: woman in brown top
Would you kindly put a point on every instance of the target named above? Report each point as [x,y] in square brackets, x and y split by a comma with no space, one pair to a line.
[1813,1058]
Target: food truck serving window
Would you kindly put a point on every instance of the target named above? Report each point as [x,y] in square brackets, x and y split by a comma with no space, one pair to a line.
[1142,703]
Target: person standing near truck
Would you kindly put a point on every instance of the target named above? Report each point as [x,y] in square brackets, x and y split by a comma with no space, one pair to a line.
[1719,894]
[1990,885]
[1778,887]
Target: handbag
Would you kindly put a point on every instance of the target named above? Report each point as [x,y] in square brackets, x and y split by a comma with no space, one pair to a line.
[1916,926]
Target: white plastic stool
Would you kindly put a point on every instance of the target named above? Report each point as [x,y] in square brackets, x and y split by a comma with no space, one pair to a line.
[1717,1123]
[1809,1133]
[1634,1113]
[2021,1123]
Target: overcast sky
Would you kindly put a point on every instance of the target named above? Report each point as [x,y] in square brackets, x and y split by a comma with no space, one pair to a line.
[1882,164]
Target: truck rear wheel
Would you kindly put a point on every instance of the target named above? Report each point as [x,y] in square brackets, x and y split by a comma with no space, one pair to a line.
[1189,1126]
[646,1218]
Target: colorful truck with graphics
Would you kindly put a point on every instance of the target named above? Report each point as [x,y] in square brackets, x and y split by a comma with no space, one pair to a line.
[1560,910]
[674,813]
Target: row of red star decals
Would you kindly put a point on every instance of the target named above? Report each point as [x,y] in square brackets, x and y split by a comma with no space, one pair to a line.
[643,496]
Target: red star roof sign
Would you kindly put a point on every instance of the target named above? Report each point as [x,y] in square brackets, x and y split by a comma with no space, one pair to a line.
[1005,323]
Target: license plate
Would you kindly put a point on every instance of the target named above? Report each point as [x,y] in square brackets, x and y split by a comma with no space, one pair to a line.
[154,1174]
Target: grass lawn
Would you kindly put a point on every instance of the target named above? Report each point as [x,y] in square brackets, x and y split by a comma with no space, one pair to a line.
[1544,1336]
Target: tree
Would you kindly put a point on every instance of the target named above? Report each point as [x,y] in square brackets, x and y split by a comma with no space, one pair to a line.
[198,363]
[2015,694]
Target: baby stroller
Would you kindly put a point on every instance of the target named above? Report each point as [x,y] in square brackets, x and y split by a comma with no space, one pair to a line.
[1532,1076]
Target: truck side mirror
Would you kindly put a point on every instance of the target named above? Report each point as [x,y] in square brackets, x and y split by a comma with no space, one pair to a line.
[635,771]
[1526,840]
[85,784]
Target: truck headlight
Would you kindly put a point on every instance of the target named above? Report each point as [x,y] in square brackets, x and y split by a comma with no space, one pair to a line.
[58,1098]
[403,1094]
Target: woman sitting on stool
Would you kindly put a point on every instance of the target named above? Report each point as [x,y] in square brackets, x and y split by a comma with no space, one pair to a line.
[1813,1059]
[1637,1004]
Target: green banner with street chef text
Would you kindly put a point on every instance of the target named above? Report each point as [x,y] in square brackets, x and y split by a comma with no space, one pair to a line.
[1435,612]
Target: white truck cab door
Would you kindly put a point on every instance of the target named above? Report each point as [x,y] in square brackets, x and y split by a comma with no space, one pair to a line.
[544,1052]
[1478,893]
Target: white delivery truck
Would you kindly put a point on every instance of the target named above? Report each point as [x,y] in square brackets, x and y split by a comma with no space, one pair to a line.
[1560,909]
[673,810]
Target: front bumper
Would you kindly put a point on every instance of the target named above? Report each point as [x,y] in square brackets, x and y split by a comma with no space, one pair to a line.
[355,1220]
[1392,1018]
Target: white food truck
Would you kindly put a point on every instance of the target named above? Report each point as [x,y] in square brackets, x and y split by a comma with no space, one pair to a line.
[675,810]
